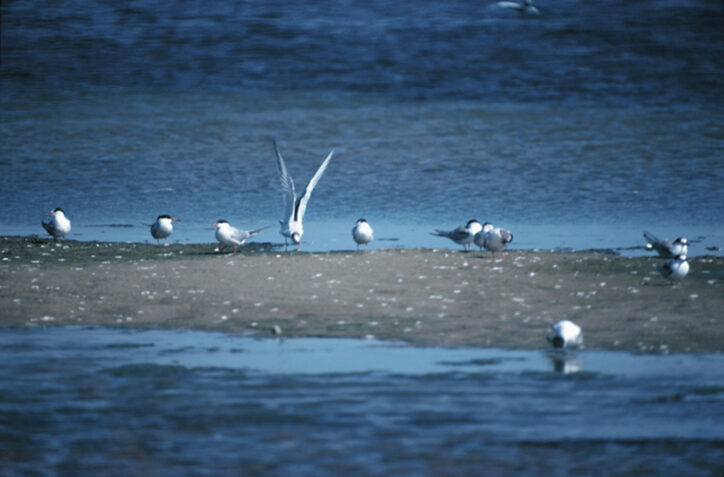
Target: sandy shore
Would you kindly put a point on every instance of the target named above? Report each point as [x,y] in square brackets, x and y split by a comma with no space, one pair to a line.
[426,297]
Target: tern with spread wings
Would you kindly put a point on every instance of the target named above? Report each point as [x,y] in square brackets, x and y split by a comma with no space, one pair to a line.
[295,207]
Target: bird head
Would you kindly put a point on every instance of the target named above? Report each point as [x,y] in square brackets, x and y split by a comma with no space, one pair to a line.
[55,211]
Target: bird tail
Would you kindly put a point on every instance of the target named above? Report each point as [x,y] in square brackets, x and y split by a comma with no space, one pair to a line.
[256,232]
[439,233]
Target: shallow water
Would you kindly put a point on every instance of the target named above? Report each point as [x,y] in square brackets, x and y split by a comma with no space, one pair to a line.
[578,128]
[80,400]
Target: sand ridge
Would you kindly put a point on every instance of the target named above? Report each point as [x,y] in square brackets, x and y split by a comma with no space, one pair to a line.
[436,297]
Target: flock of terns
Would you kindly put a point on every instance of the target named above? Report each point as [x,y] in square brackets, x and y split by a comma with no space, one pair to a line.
[485,236]
[566,334]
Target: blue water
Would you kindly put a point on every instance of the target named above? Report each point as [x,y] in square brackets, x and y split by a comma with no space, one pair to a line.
[578,128]
[75,401]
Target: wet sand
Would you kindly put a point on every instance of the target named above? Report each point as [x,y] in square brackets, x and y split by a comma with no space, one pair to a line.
[426,297]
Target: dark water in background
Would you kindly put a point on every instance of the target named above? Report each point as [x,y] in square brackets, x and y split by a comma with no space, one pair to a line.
[113,402]
[577,128]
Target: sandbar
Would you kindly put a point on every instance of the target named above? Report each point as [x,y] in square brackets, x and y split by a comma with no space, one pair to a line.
[427,297]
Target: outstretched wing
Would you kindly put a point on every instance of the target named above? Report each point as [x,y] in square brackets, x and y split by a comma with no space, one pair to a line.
[651,238]
[301,205]
[288,192]
[664,247]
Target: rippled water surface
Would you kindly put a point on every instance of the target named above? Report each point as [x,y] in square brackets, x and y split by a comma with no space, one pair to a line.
[79,401]
[575,128]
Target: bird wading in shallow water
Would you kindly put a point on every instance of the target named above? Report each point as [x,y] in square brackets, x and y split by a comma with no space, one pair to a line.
[462,235]
[58,224]
[229,236]
[362,233]
[526,7]
[566,334]
[295,207]
[162,228]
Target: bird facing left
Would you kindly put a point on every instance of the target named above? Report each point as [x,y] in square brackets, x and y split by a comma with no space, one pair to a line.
[58,225]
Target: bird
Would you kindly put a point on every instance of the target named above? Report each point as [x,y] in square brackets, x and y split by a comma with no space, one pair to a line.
[674,269]
[666,248]
[362,233]
[463,234]
[566,334]
[526,7]
[493,238]
[58,225]
[162,228]
[229,236]
[295,207]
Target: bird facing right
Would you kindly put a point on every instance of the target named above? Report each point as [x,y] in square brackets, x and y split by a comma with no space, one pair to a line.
[162,228]
[665,248]
[463,234]
[362,233]
[493,239]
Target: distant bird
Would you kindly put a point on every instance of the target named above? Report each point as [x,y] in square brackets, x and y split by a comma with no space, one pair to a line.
[674,269]
[162,228]
[526,7]
[57,225]
[294,207]
[229,236]
[493,239]
[462,235]
[666,248]
[566,334]
[362,233]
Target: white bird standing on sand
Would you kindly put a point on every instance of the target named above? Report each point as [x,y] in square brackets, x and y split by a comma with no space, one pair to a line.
[525,7]
[229,236]
[566,334]
[58,225]
[666,248]
[462,235]
[294,207]
[493,239]
[674,269]
[362,233]
[162,228]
